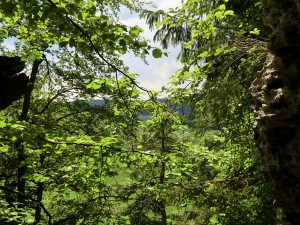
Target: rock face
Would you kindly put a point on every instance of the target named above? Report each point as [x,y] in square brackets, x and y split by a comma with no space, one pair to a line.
[13,84]
[276,95]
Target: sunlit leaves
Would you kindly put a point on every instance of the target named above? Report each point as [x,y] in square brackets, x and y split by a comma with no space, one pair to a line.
[2,124]
[96,84]
[222,12]
[255,31]
[45,25]
[4,149]
[3,33]
[135,31]
[228,12]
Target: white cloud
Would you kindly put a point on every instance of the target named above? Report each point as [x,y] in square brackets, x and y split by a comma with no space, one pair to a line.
[135,20]
[159,75]
[158,71]
[9,43]
[166,4]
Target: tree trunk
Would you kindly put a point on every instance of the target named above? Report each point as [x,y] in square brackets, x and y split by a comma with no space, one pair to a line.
[39,194]
[22,168]
[162,204]
[276,94]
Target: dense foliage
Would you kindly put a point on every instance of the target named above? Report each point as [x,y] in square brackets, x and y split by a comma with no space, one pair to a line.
[130,160]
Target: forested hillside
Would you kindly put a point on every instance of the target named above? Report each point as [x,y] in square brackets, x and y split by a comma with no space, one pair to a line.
[133,157]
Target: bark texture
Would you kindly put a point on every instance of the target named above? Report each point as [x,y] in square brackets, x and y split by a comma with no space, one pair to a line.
[276,95]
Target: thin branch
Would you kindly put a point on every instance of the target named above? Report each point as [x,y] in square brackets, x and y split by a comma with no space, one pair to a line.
[121,95]
[67,115]
[47,65]
[96,145]
[233,61]
[52,99]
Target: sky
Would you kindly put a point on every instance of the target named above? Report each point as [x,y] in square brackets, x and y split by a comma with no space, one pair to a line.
[156,74]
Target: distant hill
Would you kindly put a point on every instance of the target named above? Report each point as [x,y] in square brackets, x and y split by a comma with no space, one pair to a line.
[100,102]
[182,109]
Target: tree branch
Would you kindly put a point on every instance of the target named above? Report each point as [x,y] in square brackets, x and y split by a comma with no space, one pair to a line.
[96,145]
[30,198]
[84,33]
[27,97]
[52,99]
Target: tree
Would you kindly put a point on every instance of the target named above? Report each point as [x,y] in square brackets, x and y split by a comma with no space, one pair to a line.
[69,162]
[51,137]
[276,97]
[223,45]
[275,91]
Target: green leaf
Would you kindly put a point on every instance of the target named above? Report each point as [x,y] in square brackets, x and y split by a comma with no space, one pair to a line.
[157,53]
[255,31]
[204,54]
[219,14]
[150,122]
[222,7]
[229,13]
[96,84]
[122,51]
[3,33]
[214,219]
[4,149]
[104,19]
[68,168]
[135,31]
[109,81]
[40,178]
[131,75]
[2,124]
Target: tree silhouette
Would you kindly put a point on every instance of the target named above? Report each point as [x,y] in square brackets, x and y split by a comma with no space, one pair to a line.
[13,84]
